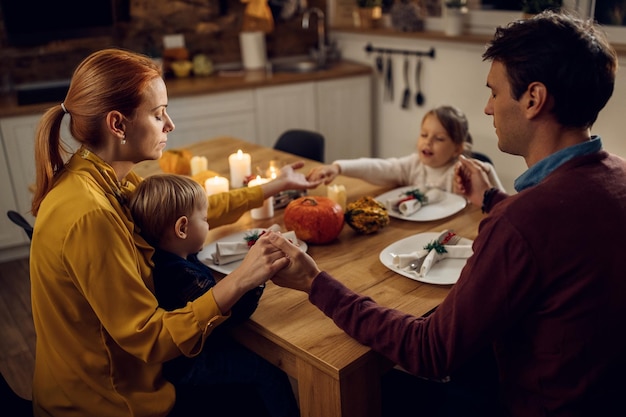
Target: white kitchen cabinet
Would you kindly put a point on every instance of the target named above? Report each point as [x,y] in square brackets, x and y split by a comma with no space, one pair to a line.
[344,115]
[10,234]
[207,116]
[18,135]
[18,140]
[340,109]
[285,107]
[17,172]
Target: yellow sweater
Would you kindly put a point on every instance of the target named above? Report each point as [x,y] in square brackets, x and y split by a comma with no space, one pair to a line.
[101,337]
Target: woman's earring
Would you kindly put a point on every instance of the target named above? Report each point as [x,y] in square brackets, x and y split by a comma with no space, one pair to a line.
[123,140]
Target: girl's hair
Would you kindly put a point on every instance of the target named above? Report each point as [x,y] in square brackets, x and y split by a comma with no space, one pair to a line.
[455,122]
[160,200]
[107,80]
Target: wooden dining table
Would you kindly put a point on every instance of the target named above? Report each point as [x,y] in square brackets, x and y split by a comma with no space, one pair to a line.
[335,375]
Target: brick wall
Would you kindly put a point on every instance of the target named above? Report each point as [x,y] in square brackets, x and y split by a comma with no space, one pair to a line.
[210,27]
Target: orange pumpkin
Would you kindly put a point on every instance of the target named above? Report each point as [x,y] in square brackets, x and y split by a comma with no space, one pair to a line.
[314,219]
[176,161]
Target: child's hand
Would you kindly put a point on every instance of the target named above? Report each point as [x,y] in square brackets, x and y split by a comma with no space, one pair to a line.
[326,173]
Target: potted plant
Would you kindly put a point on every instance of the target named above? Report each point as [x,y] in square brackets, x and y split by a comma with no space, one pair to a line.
[531,7]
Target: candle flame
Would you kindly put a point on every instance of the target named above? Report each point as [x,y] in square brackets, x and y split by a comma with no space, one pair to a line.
[239,154]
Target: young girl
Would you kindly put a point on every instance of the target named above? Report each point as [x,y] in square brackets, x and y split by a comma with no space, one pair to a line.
[444,136]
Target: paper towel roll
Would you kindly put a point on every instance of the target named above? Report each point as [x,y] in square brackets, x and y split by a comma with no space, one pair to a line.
[253,53]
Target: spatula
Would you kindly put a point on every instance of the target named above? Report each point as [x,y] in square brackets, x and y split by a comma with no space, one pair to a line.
[419,96]
[406,97]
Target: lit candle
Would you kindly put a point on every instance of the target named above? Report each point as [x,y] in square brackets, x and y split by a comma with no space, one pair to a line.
[198,164]
[337,193]
[216,185]
[267,210]
[272,171]
[240,167]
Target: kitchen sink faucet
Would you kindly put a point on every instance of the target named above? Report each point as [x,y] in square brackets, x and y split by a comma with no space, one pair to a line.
[321,32]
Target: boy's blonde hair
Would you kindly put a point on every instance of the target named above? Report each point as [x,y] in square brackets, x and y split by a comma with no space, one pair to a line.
[160,200]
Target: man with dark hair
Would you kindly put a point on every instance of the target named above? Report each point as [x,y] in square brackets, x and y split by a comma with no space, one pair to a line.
[545,286]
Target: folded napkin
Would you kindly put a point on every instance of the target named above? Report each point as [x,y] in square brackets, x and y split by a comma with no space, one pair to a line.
[227,252]
[421,261]
[451,251]
[408,205]
[404,260]
[417,257]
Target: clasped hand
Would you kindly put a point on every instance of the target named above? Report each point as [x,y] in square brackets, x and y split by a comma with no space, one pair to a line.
[471,180]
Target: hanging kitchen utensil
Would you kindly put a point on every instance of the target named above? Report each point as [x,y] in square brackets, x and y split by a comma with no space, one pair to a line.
[380,65]
[406,97]
[419,96]
[389,79]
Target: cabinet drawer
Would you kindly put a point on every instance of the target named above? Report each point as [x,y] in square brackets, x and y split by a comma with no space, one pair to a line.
[210,104]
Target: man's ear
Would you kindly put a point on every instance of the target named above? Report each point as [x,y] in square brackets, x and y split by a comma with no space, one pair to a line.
[180,228]
[536,99]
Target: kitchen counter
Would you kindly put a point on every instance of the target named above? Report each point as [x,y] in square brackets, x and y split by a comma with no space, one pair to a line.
[221,81]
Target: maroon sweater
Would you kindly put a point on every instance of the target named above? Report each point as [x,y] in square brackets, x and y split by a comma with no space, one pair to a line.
[546,287]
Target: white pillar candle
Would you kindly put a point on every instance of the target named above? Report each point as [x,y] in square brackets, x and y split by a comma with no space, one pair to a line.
[337,193]
[198,164]
[267,210]
[215,185]
[240,167]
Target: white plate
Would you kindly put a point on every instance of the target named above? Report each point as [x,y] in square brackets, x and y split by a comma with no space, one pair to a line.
[451,204]
[444,272]
[205,254]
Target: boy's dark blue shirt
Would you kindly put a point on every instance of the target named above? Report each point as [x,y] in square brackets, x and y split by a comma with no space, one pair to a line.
[178,281]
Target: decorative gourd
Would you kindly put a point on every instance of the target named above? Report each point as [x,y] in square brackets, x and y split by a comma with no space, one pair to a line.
[366,215]
[314,219]
[176,161]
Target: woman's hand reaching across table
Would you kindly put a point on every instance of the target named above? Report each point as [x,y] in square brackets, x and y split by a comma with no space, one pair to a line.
[289,179]
[301,269]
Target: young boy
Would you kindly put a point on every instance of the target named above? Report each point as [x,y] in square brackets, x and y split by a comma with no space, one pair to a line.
[171,213]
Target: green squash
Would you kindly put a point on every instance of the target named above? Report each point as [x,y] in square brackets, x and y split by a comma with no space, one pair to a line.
[366,215]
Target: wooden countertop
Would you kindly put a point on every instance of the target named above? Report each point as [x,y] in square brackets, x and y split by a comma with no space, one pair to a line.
[220,82]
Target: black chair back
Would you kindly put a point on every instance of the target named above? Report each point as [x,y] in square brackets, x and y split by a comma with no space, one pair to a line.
[19,220]
[481,157]
[304,143]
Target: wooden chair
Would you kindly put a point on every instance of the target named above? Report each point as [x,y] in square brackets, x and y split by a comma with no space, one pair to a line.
[304,143]
[19,220]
